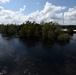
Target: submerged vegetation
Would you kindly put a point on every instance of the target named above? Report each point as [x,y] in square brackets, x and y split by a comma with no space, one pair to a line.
[50,30]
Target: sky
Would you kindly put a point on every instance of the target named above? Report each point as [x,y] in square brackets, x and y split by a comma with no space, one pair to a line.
[20,11]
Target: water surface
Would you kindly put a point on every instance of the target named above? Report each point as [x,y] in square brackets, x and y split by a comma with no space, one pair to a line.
[34,57]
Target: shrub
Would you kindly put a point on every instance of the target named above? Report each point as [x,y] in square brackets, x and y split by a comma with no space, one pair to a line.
[70,31]
[64,37]
[51,35]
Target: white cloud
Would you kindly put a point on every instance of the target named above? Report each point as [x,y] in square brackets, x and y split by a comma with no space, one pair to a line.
[38,3]
[22,9]
[70,16]
[50,12]
[4,1]
[9,16]
[1,8]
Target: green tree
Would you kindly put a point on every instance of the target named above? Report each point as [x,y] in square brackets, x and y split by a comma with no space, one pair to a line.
[45,30]
[64,37]
[70,30]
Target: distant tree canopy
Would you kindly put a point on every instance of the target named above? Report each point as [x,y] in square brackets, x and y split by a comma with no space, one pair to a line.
[48,30]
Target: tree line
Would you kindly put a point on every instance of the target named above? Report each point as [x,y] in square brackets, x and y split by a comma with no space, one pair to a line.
[48,30]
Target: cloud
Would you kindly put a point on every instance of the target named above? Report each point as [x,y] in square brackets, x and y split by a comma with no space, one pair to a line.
[38,3]
[49,13]
[71,13]
[4,1]
[22,9]
[9,16]
[1,8]
[70,16]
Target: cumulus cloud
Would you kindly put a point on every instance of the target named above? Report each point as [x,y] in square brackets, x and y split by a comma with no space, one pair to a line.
[70,16]
[49,13]
[4,1]
[71,13]
[1,8]
[9,16]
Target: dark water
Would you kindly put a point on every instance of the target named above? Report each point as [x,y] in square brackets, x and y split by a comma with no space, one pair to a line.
[34,57]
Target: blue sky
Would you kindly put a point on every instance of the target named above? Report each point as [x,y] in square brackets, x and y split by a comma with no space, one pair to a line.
[31,9]
[33,5]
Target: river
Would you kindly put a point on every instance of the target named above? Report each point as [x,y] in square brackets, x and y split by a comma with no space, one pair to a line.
[30,57]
